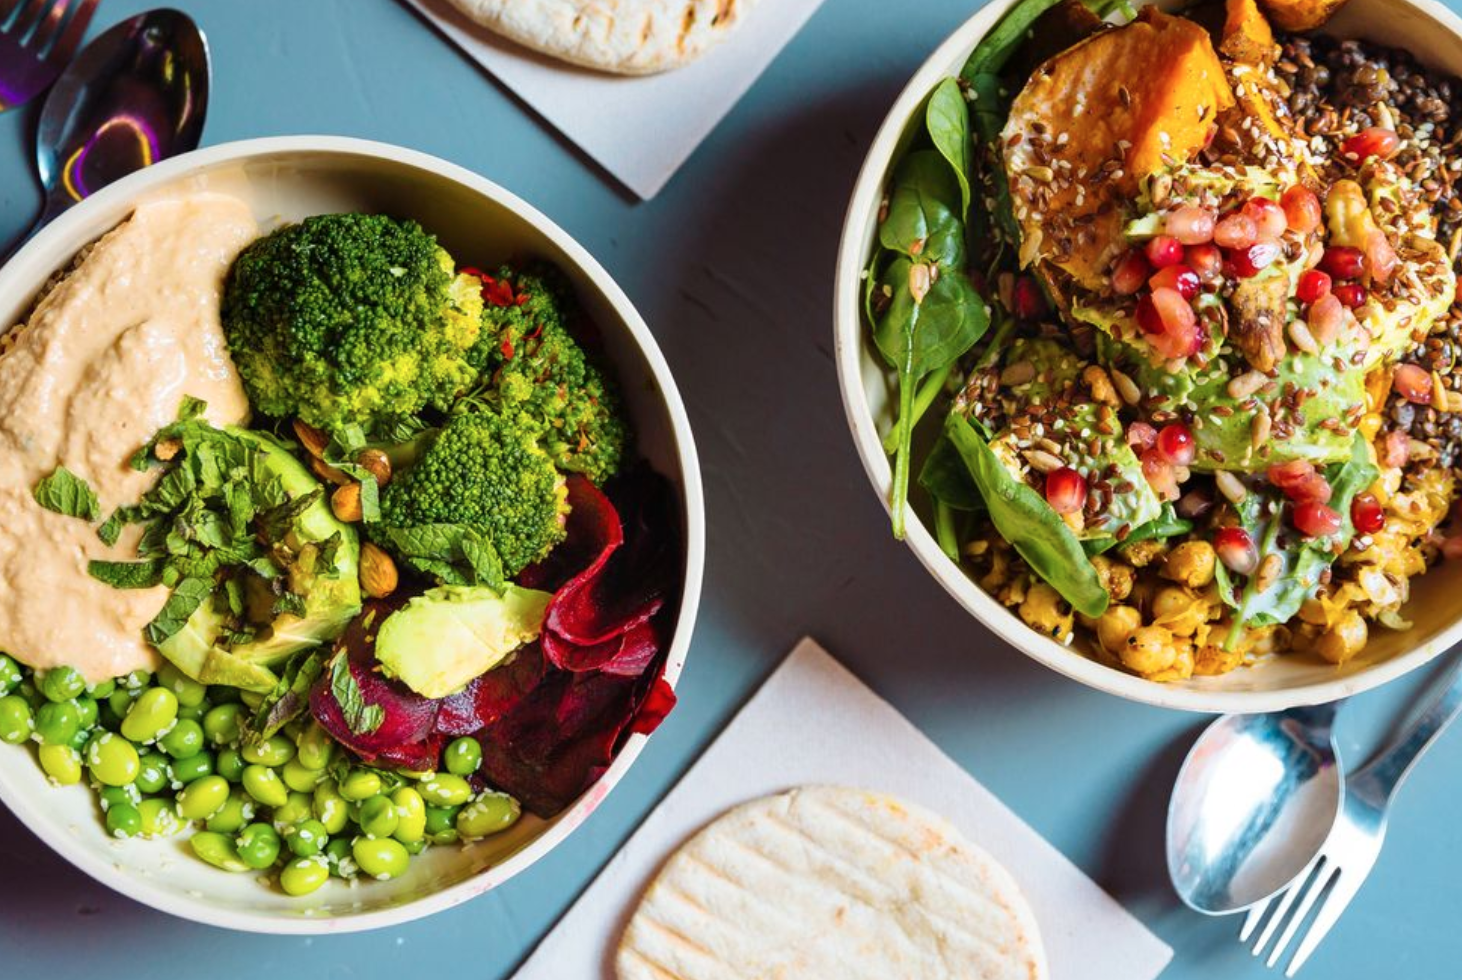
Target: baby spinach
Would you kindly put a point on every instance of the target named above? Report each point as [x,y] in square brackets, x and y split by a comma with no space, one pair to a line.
[948,120]
[922,222]
[67,494]
[1023,518]
[947,479]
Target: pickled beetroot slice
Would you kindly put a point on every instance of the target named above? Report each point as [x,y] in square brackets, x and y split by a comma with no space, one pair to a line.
[491,695]
[627,655]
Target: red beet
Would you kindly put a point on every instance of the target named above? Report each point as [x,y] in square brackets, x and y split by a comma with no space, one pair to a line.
[490,696]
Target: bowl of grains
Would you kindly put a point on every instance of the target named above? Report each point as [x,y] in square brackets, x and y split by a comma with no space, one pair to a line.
[1148,336]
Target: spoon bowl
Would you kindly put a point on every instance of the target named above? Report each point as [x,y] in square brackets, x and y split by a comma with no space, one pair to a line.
[1253,804]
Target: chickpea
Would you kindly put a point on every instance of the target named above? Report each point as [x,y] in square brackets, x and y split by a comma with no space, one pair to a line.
[1212,659]
[1191,564]
[1313,612]
[1044,611]
[1343,640]
[1182,666]
[1115,625]
[1140,554]
[1116,577]
[1179,610]
[1149,650]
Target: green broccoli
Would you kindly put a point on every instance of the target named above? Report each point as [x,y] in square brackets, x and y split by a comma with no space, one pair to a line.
[351,319]
[485,471]
[531,363]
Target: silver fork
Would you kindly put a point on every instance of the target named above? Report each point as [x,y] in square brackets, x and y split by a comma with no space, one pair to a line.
[1350,851]
[37,39]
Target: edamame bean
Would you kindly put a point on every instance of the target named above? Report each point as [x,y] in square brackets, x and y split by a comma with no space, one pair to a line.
[62,763]
[186,739]
[299,778]
[273,752]
[57,722]
[111,796]
[264,785]
[330,808]
[258,845]
[137,680]
[123,821]
[203,797]
[382,858]
[360,784]
[489,814]
[441,824]
[315,747]
[100,691]
[341,861]
[296,808]
[62,684]
[445,789]
[188,691]
[308,838]
[16,720]
[193,767]
[415,847]
[159,819]
[217,850]
[150,715]
[378,817]
[463,756]
[191,712]
[10,675]
[230,765]
[304,875]
[112,760]
[153,776]
[221,723]
[410,816]
[86,712]
[236,812]
[120,701]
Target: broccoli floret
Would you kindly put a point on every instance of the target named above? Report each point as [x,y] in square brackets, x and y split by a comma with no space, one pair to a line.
[532,364]
[351,318]
[485,470]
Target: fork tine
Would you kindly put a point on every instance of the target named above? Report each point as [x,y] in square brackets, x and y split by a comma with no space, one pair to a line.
[49,25]
[1252,920]
[1281,907]
[1318,887]
[75,29]
[7,7]
[30,12]
[1343,890]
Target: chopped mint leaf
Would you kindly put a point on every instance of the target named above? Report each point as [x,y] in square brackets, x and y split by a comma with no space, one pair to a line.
[65,493]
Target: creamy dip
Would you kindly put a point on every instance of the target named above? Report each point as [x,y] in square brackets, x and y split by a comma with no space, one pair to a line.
[104,362]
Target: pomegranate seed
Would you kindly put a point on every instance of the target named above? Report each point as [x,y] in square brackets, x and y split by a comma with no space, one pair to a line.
[1130,272]
[1029,301]
[1373,142]
[1366,513]
[1147,316]
[1190,225]
[1268,217]
[1395,449]
[1141,436]
[1315,520]
[1299,481]
[1160,475]
[1326,317]
[1350,294]
[1163,251]
[1236,550]
[1066,490]
[1312,285]
[1302,209]
[1343,262]
[1380,256]
[1206,261]
[1413,383]
[1179,335]
[1175,442]
[1178,277]
[1248,262]
[1237,230]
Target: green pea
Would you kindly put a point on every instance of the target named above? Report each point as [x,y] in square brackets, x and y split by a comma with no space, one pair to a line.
[137,680]
[489,814]
[315,747]
[330,808]
[62,763]
[304,875]
[112,760]
[185,739]
[410,816]
[382,858]
[221,723]
[296,808]
[264,785]
[195,766]
[360,784]
[62,684]
[441,824]
[258,845]
[202,798]
[445,789]
[10,675]
[16,720]
[218,850]
[341,860]
[378,817]
[235,813]
[273,752]
[111,796]
[154,775]
[123,821]
[189,692]
[100,691]
[308,838]
[57,722]
[150,715]
[159,819]
[86,711]
[230,765]
[415,847]
[462,756]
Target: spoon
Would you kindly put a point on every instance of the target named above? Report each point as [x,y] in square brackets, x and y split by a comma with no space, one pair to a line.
[1253,804]
[135,95]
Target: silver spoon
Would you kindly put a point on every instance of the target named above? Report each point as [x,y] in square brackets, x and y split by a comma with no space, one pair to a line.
[135,95]
[1252,806]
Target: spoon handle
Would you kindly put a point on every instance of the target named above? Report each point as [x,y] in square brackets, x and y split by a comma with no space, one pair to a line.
[1380,778]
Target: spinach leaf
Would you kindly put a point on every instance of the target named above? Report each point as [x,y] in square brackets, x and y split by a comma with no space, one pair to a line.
[922,222]
[1023,518]
[456,554]
[948,120]
[996,47]
[290,697]
[67,494]
[127,574]
[360,717]
[189,594]
[947,479]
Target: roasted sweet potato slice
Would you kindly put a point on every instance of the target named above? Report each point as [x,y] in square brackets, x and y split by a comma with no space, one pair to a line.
[1247,36]
[1300,15]
[1096,119]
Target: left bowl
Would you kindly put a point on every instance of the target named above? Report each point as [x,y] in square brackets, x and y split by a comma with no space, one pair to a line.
[285,179]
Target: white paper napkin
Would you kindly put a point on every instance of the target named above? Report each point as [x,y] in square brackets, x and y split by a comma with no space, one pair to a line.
[813,722]
[640,129]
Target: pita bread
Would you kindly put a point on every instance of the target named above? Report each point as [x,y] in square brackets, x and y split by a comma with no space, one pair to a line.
[629,37]
[826,883]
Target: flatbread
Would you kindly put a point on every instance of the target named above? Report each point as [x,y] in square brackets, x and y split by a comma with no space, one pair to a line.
[828,883]
[628,37]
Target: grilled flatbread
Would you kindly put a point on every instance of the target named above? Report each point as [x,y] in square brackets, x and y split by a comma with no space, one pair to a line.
[826,883]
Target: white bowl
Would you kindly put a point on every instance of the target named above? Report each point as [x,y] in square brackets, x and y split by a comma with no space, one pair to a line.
[479,223]
[1434,35]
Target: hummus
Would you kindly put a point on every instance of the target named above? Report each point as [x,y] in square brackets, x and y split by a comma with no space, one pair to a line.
[103,363]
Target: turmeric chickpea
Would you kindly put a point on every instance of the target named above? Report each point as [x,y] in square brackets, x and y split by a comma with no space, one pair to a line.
[1140,554]
[1191,564]
[1182,666]
[1115,625]
[1116,577]
[1179,610]
[1343,640]
[1043,611]
[1149,650]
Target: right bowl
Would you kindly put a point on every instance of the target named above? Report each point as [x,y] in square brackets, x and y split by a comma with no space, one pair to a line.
[1430,32]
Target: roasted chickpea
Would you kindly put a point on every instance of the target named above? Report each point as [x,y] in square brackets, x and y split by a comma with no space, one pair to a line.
[1140,554]
[1343,640]
[1191,564]
[1116,577]
[1212,659]
[1182,666]
[1179,610]
[1115,625]
[1149,650]
[1044,611]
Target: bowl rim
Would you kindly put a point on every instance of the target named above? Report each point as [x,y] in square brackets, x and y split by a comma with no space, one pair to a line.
[67,226]
[849,341]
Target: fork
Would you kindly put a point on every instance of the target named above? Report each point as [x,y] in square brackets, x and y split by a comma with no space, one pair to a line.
[37,39]
[1350,850]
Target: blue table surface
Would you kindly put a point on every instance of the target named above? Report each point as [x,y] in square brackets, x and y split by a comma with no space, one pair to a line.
[732,266]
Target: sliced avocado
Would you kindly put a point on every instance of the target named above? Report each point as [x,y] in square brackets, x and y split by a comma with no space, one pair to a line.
[195,651]
[447,636]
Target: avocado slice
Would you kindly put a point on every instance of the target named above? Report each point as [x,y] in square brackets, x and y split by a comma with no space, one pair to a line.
[445,637]
[195,651]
